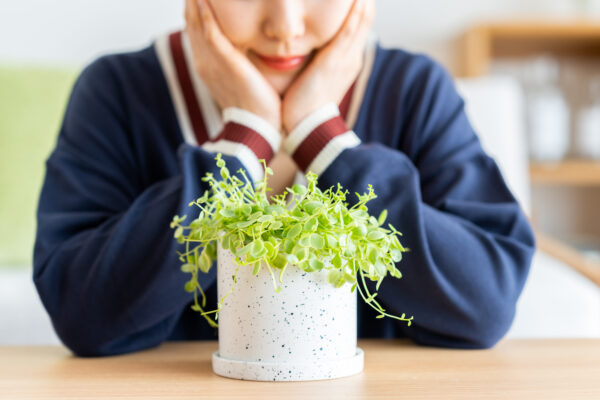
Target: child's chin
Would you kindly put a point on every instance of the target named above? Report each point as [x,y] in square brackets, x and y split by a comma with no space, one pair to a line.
[280,82]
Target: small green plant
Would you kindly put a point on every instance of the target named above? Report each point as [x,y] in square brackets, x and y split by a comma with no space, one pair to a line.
[319,226]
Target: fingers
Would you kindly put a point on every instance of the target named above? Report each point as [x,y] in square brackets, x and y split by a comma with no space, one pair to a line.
[355,16]
[363,18]
[370,12]
[367,17]
[358,20]
[207,18]
[201,20]
[192,13]
[352,19]
[192,18]
[354,31]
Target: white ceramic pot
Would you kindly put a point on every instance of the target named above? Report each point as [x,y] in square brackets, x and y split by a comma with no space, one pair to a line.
[305,332]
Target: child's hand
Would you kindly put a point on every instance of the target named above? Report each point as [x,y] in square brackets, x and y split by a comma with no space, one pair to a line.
[231,78]
[334,68]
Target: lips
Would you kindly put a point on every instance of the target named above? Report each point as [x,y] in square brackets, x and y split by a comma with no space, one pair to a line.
[282,63]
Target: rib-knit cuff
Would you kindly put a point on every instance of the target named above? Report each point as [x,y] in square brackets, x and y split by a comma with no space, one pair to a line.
[319,139]
[247,137]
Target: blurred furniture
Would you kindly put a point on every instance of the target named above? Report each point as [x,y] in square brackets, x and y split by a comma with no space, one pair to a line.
[485,43]
[577,39]
[23,319]
[515,369]
[32,100]
[557,301]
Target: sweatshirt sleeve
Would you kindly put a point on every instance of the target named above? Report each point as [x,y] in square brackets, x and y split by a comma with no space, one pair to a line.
[470,243]
[105,261]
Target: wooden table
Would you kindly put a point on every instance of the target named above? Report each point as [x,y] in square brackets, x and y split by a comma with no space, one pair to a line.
[515,369]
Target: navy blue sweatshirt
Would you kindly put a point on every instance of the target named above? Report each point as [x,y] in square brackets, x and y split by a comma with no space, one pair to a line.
[139,132]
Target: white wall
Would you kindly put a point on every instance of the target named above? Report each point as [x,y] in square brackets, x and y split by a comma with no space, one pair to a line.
[75,31]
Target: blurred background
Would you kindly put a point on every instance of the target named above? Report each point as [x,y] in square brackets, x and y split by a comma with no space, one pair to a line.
[529,71]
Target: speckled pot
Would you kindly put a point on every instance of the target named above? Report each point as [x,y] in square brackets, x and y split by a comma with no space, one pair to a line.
[305,332]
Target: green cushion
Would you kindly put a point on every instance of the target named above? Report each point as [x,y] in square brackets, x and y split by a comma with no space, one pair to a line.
[32,101]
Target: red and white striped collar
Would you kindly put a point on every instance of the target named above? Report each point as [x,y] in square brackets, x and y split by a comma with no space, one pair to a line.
[198,114]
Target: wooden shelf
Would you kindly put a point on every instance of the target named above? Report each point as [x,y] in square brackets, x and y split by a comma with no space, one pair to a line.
[557,28]
[483,43]
[566,173]
[571,256]
[523,39]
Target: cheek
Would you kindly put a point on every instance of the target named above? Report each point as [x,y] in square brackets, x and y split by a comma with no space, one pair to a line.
[238,19]
[324,18]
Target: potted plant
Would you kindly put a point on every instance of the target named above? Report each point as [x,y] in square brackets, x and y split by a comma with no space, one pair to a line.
[288,274]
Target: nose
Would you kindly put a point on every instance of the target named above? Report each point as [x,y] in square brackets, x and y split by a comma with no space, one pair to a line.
[284,19]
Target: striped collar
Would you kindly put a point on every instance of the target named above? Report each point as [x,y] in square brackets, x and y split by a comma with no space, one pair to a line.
[198,114]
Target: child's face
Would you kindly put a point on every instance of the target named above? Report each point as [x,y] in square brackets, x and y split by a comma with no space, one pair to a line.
[280,28]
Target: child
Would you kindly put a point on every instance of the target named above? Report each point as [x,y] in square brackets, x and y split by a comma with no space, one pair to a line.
[299,84]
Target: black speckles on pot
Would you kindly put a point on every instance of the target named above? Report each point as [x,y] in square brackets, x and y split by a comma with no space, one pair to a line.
[308,328]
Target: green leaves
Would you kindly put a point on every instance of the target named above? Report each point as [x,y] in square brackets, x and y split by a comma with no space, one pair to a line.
[256,268]
[177,220]
[188,267]
[396,255]
[258,249]
[294,231]
[372,255]
[332,242]
[280,261]
[336,278]
[227,213]
[320,232]
[316,241]
[311,225]
[301,253]
[178,232]
[380,268]
[375,235]
[336,261]
[311,207]
[274,210]
[298,189]
[220,161]
[190,286]
[292,259]
[205,261]
[315,265]
[382,217]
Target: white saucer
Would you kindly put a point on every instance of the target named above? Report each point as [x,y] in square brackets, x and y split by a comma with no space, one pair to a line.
[266,371]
